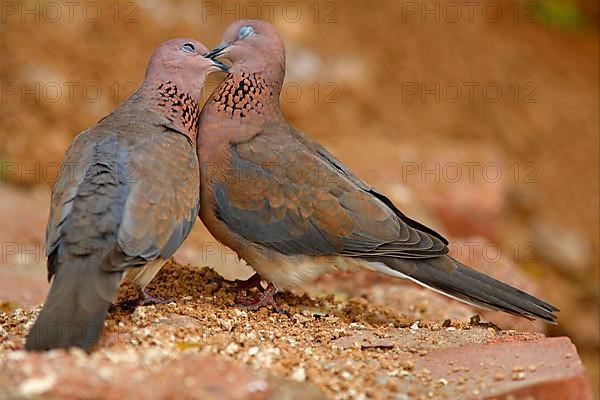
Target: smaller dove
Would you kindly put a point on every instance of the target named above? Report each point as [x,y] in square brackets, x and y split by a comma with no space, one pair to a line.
[126,198]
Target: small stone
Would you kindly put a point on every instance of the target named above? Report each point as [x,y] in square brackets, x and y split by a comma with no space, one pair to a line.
[257,386]
[226,324]
[37,386]
[407,364]
[356,325]
[232,348]
[298,374]
[301,319]
[518,376]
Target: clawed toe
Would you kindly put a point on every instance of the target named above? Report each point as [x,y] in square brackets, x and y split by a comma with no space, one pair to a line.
[144,300]
[149,301]
[266,299]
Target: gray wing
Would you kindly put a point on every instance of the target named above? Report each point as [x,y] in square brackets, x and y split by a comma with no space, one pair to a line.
[326,156]
[284,195]
[135,198]
[163,203]
[73,169]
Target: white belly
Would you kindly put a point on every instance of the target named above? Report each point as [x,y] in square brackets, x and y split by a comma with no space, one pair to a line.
[287,272]
[142,276]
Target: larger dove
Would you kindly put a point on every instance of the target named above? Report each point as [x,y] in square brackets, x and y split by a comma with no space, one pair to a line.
[293,211]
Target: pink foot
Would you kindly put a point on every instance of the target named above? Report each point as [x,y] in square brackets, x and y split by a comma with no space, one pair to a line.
[248,284]
[147,300]
[143,300]
[266,299]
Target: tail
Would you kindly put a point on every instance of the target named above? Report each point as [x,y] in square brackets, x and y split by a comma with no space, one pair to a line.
[75,309]
[451,278]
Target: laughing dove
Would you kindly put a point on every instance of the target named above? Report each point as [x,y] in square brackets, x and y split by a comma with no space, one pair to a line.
[126,198]
[294,212]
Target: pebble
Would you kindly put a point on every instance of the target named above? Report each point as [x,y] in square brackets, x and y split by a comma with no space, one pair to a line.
[298,374]
[37,386]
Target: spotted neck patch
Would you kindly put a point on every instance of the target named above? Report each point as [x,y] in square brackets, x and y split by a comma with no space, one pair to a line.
[242,95]
[179,106]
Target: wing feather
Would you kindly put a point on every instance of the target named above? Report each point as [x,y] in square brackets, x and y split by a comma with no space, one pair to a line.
[301,200]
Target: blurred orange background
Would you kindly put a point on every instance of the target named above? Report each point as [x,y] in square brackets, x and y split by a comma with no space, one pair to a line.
[480,119]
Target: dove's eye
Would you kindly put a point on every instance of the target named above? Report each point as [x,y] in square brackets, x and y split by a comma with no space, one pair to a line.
[245,32]
[188,48]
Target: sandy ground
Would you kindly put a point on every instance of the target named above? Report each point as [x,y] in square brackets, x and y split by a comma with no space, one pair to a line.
[352,72]
[349,348]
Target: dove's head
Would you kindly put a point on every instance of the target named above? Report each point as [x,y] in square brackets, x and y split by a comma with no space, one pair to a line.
[182,62]
[252,46]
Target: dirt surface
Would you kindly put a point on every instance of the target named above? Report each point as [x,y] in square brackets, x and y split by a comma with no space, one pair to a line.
[340,348]
[352,63]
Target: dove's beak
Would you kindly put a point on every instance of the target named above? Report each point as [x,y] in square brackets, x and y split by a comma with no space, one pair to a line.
[217,63]
[217,52]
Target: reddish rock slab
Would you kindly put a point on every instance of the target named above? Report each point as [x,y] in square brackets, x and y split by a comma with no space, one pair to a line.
[71,375]
[519,367]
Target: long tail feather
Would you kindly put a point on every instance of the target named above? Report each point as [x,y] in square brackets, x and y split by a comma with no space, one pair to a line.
[451,278]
